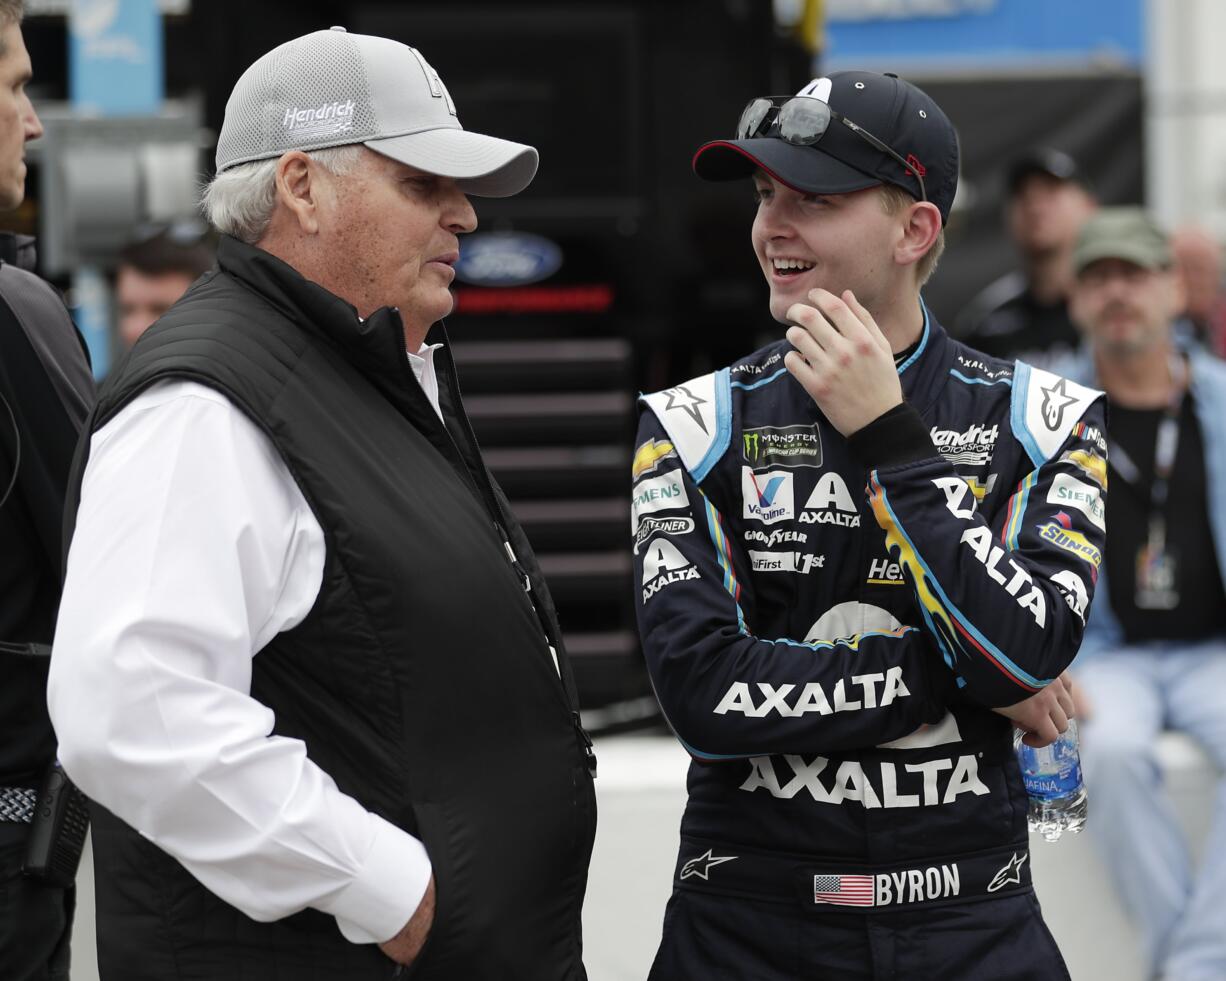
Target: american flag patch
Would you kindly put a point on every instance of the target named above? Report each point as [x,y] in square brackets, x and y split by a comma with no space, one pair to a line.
[843,890]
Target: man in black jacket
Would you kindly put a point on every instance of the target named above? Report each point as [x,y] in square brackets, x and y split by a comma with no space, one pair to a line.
[45,393]
[306,662]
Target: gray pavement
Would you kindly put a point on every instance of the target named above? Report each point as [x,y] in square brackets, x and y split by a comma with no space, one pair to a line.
[641,791]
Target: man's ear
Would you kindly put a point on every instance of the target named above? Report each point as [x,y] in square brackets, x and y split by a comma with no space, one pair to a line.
[298,186]
[919,231]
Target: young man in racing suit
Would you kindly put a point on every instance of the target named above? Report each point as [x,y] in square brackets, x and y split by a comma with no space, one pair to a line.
[861,553]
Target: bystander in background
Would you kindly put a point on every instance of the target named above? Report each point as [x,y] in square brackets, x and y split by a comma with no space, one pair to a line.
[154,271]
[1024,314]
[1154,654]
[1198,261]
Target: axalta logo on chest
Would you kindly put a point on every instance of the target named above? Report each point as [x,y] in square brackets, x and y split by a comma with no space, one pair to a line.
[830,504]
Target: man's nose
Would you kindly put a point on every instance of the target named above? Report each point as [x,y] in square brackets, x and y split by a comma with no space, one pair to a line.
[33,125]
[459,214]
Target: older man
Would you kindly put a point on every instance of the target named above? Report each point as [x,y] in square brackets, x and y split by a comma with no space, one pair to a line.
[1155,651]
[305,656]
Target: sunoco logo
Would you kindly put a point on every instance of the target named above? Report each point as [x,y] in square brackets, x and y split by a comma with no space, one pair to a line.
[506,259]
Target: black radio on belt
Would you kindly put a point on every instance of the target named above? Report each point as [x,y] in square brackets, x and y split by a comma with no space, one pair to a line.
[57,831]
[61,811]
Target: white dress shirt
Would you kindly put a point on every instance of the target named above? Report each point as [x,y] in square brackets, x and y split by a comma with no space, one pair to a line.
[194,547]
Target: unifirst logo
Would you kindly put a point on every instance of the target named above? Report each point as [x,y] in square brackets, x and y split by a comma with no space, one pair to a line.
[339,112]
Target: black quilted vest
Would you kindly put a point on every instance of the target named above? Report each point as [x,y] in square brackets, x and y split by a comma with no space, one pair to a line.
[420,680]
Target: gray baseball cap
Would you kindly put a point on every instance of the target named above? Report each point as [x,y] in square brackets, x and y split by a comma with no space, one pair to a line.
[333,88]
[1126,233]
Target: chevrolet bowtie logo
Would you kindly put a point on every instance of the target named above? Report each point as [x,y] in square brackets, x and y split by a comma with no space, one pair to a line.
[702,865]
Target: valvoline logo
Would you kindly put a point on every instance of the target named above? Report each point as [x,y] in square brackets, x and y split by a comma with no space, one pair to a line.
[506,259]
[766,495]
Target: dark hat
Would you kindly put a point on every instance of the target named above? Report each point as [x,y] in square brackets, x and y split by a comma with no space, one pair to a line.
[1042,160]
[895,112]
[1122,233]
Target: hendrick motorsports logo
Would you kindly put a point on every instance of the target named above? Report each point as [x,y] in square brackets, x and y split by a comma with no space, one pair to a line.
[324,120]
[784,446]
[972,448]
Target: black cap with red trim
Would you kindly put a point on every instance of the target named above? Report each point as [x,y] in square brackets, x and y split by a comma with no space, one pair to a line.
[896,112]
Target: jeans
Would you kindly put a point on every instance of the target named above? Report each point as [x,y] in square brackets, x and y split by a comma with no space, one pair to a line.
[1135,693]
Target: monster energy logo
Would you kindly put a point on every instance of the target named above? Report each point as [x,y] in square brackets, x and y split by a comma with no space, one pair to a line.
[786,446]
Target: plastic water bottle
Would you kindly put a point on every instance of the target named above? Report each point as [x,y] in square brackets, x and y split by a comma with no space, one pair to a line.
[1052,776]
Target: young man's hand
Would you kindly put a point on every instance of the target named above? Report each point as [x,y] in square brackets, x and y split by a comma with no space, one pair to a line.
[842,359]
[1042,717]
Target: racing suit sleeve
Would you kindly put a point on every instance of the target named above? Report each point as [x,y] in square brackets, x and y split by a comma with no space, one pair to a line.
[1004,598]
[728,693]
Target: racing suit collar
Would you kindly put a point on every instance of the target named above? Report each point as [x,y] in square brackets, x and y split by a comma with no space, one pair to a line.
[925,372]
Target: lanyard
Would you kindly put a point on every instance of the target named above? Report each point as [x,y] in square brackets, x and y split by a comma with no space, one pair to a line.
[1166,444]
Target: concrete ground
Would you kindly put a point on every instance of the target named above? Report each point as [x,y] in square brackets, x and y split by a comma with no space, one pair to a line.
[641,790]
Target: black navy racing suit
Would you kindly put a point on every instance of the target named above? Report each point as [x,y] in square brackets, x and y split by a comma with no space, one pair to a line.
[826,622]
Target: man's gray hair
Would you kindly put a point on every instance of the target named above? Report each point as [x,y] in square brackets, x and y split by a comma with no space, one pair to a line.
[240,201]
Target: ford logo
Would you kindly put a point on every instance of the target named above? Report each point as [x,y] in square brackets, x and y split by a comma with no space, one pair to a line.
[506,259]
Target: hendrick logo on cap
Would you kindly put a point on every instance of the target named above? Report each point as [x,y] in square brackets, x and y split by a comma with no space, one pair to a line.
[329,118]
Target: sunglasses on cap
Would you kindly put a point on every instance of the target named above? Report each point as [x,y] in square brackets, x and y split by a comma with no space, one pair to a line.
[803,121]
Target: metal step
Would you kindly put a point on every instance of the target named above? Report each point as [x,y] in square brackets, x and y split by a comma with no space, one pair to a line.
[550,471]
[606,643]
[544,365]
[575,418]
[554,526]
[586,578]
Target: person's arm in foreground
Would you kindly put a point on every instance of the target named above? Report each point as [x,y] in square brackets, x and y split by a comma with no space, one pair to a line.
[192,550]
[1005,602]
[729,692]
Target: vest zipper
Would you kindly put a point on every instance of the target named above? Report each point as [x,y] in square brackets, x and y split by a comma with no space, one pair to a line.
[589,751]
[481,480]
